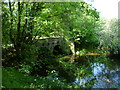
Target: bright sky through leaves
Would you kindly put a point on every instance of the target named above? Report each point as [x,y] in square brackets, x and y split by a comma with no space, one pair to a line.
[107,8]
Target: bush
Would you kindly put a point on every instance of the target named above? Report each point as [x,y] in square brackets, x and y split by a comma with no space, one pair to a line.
[14,79]
[44,53]
[8,56]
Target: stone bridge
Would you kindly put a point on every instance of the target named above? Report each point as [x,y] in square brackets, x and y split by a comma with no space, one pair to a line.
[57,45]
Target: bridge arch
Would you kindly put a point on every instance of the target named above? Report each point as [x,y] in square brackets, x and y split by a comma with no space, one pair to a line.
[57,45]
[57,50]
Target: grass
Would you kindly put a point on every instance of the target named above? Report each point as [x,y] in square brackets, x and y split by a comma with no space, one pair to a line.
[14,79]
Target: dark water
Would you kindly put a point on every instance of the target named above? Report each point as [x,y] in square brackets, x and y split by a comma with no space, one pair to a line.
[105,77]
[104,74]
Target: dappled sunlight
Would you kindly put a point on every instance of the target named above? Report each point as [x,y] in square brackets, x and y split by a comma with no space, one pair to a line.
[58,45]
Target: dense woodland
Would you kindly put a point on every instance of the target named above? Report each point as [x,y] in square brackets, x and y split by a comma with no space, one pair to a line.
[28,66]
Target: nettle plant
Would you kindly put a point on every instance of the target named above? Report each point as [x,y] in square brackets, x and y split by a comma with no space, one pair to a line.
[109,37]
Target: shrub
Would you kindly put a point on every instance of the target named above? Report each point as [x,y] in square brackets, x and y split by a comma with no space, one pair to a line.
[14,79]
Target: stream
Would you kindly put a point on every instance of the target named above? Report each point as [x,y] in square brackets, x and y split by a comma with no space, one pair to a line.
[104,73]
[105,77]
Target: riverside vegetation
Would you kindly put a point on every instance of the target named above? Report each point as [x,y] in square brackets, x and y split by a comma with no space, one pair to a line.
[28,66]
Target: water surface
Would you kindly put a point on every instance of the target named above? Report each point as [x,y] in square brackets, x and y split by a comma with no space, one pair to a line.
[100,72]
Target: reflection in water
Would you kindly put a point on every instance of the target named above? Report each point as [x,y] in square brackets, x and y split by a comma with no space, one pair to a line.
[95,73]
[106,78]
[103,75]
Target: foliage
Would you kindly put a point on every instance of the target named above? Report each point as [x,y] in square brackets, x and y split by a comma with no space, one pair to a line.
[63,69]
[58,73]
[44,67]
[8,55]
[14,79]
[44,53]
[23,22]
[27,55]
[109,37]
[70,20]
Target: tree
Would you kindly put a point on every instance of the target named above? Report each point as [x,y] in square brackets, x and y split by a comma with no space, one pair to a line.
[23,21]
[109,37]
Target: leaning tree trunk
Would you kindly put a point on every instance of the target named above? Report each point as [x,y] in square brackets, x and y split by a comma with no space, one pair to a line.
[18,33]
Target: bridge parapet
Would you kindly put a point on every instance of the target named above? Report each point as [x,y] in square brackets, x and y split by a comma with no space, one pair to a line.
[56,44]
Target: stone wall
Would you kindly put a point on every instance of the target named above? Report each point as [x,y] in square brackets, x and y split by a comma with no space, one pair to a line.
[52,42]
